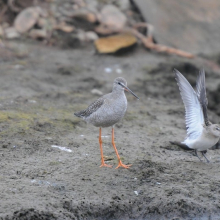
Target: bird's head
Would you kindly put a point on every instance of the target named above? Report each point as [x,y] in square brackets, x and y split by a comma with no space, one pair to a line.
[215,128]
[120,84]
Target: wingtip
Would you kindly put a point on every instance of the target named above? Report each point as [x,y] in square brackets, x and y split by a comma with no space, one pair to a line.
[77,114]
[177,75]
[176,72]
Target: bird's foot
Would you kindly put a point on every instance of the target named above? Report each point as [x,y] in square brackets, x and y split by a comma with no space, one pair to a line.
[120,164]
[105,165]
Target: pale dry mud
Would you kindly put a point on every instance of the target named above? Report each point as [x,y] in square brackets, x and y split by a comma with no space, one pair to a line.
[40,93]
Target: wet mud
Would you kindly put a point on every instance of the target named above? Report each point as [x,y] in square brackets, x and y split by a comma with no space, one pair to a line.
[39,94]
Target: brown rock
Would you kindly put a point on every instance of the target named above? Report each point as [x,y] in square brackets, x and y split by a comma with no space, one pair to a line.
[91,17]
[85,14]
[26,19]
[114,43]
[64,27]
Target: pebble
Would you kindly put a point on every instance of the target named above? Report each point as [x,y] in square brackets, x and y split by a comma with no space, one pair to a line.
[38,33]
[11,33]
[96,92]
[91,36]
[26,19]
[112,17]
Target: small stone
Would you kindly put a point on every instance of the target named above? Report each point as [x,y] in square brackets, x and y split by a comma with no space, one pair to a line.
[136,193]
[11,33]
[81,35]
[85,15]
[112,17]
[91,36]
[96,92]
[91,17]
[26,19]
[4,145]
[64,27]
[38,33]
[108,70]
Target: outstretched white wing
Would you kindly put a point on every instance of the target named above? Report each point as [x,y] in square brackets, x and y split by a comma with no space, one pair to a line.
[193,110]
[200,86]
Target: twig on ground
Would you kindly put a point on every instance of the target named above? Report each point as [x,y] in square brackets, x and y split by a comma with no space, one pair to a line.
[147,41]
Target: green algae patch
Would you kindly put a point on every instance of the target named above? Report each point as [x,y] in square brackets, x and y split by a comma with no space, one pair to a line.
[3,117]
[39,119]
[15,121]
[54,163]
[64,118]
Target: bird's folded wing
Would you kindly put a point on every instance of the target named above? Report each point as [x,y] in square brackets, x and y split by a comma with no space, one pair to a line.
[193,110]
[91,108]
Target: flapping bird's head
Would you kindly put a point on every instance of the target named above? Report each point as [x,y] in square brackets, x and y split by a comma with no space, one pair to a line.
[215,129]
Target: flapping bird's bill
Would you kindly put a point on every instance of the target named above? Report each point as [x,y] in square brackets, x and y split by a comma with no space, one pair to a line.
[193,110]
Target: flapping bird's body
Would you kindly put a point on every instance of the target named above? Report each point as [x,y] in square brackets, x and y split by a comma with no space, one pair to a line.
[201,133]
[107,111]
[204,141]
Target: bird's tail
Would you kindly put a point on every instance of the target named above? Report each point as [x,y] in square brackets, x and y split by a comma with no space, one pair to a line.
[183,146]
[78,114]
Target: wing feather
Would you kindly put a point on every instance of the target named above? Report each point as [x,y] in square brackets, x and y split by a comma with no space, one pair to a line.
[201,93]
[91,108]
[193,111]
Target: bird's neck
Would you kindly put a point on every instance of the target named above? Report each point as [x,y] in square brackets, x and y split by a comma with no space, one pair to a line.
[118,92]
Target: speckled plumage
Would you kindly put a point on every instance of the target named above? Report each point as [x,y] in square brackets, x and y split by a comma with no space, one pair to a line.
[108,109]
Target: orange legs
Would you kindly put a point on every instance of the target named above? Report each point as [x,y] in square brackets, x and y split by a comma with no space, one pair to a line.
[120,164]
[103,164]
[102,157]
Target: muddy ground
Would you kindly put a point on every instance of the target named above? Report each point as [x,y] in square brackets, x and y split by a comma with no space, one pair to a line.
[42,89]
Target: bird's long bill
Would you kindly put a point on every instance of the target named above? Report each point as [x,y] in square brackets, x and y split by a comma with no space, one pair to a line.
[128,90]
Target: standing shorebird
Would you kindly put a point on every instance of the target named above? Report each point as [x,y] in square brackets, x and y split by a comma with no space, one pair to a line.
[201,133]
[107,111]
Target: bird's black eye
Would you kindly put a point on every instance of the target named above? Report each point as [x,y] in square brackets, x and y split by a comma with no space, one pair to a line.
[119,83]
[218,128]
